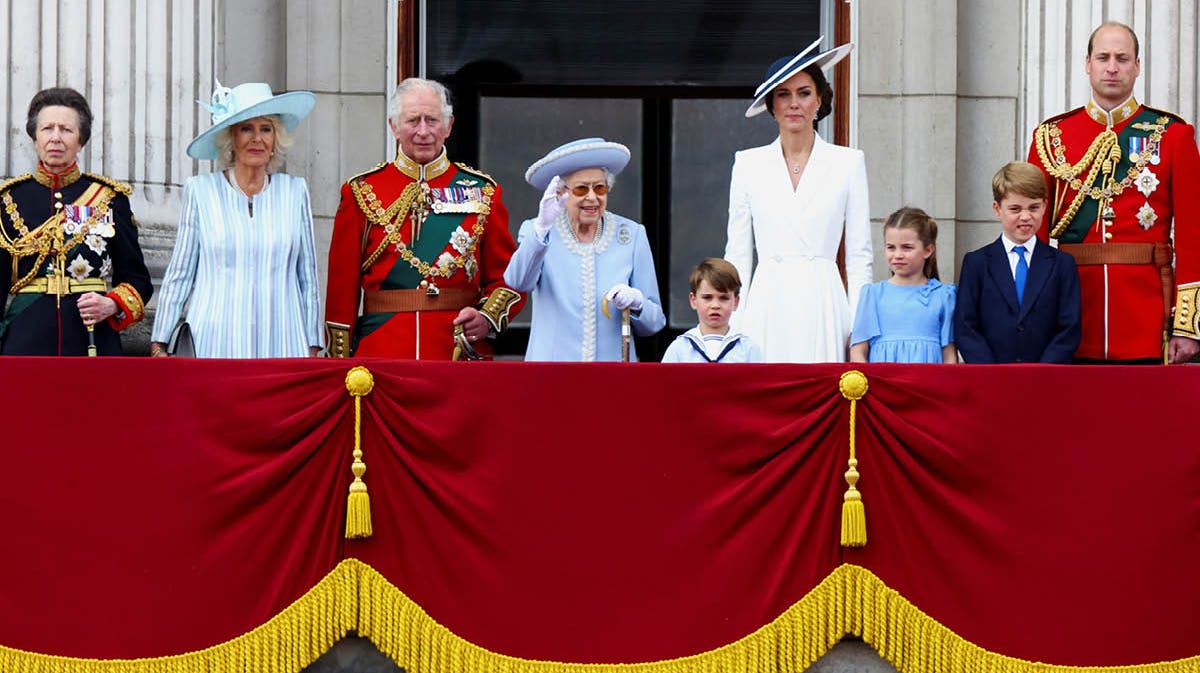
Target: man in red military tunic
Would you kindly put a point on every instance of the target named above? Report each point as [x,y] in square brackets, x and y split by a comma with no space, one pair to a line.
[1121,175]
[422,243]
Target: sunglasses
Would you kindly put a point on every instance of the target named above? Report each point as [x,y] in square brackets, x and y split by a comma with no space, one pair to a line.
[582,190]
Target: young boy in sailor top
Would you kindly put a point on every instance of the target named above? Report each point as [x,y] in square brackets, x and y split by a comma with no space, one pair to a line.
[715,293]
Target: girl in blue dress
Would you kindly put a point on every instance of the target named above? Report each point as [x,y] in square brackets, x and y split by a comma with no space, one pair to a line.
[910,316]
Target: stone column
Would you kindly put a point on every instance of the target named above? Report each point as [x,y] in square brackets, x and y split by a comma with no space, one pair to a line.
[908,114]
[988,95]
[141,64]
[344,52]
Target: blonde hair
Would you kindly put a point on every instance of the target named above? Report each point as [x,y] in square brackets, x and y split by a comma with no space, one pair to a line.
[1019,177]
[283,140]
[926,228]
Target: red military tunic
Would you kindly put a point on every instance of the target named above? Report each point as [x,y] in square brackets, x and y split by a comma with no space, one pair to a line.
[415,252]
[1139,173]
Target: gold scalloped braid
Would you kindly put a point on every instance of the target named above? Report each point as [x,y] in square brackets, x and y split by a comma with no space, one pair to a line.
[851,600]
[288,642]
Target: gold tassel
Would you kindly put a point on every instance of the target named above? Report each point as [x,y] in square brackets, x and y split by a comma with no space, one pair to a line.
[359,383]
[853,386]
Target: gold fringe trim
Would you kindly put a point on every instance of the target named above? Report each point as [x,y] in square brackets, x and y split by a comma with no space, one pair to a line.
[359,383]
[355,597]
[287,643]
[849,601]
[853,386]
[914,642]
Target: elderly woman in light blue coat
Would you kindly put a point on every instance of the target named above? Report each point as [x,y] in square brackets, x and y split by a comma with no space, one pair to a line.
[575,257]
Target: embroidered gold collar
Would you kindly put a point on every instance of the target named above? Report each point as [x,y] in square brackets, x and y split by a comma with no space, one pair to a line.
[426,172]
[46,178]
[1116,116]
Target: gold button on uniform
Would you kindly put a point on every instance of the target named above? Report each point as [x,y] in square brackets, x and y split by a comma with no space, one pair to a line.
[1108,235]
[58,206]
[58,195]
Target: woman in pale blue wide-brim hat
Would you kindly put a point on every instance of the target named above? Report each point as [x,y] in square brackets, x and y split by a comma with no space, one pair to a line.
[793,201]
[576,258]
[244,264]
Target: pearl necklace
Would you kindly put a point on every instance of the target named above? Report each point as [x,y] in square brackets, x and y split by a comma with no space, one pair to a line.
[250,198]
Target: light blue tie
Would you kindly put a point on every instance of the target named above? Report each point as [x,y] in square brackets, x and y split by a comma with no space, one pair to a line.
[1022,272]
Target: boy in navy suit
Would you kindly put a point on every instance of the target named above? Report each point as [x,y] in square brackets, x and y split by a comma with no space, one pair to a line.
[1018,298]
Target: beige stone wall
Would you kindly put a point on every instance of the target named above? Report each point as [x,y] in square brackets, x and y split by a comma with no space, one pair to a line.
[908,114]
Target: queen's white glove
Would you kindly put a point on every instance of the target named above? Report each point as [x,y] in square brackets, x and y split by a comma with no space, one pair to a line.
[625,297]
[550,209]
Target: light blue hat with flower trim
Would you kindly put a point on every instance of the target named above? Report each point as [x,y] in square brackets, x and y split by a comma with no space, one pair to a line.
[576,156]
[247,101]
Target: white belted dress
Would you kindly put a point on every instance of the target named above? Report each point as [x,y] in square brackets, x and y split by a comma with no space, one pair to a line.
[796,307]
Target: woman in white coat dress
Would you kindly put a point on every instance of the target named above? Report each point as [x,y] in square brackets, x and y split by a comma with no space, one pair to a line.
[791,202]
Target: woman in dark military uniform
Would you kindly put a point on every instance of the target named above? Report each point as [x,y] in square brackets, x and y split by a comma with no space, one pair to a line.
[71,271]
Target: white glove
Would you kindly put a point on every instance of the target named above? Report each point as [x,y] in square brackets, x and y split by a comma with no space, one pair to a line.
[625,297]
[550,209]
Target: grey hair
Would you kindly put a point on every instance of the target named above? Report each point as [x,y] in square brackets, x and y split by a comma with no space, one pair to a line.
[609,178]
[283,140]
[396,105]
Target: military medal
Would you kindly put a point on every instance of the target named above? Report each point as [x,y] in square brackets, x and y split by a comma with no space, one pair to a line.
[456,199]
[1146,182]
[1136,145]
[1146,216]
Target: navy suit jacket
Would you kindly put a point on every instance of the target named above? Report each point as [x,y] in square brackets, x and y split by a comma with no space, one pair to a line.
[990,326]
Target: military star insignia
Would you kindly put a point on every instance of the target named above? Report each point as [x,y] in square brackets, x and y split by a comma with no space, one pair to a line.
[1146,216]
[1147,181]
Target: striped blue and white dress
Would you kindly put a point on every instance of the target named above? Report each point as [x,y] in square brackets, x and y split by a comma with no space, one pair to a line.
[249,284]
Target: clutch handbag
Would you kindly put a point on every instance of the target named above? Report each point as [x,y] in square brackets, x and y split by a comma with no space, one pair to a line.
[181,345]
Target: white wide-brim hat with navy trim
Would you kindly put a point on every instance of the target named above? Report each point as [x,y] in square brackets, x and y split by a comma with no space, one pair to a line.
[247,101]
[576,156]
[783,69]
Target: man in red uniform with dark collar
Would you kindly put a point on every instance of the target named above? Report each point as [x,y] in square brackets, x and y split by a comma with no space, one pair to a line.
[423,243]
[1121,174]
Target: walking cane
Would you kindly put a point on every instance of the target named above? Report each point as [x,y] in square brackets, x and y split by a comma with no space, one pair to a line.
[625,329]
[625,335]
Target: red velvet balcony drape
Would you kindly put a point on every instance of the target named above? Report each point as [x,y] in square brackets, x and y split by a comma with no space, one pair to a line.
[598,513]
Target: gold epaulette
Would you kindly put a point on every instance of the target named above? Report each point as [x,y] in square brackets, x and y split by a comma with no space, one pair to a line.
[475,171]
[378,167]
[17,180]
[1060,117]
[1166,113]
[117,185]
